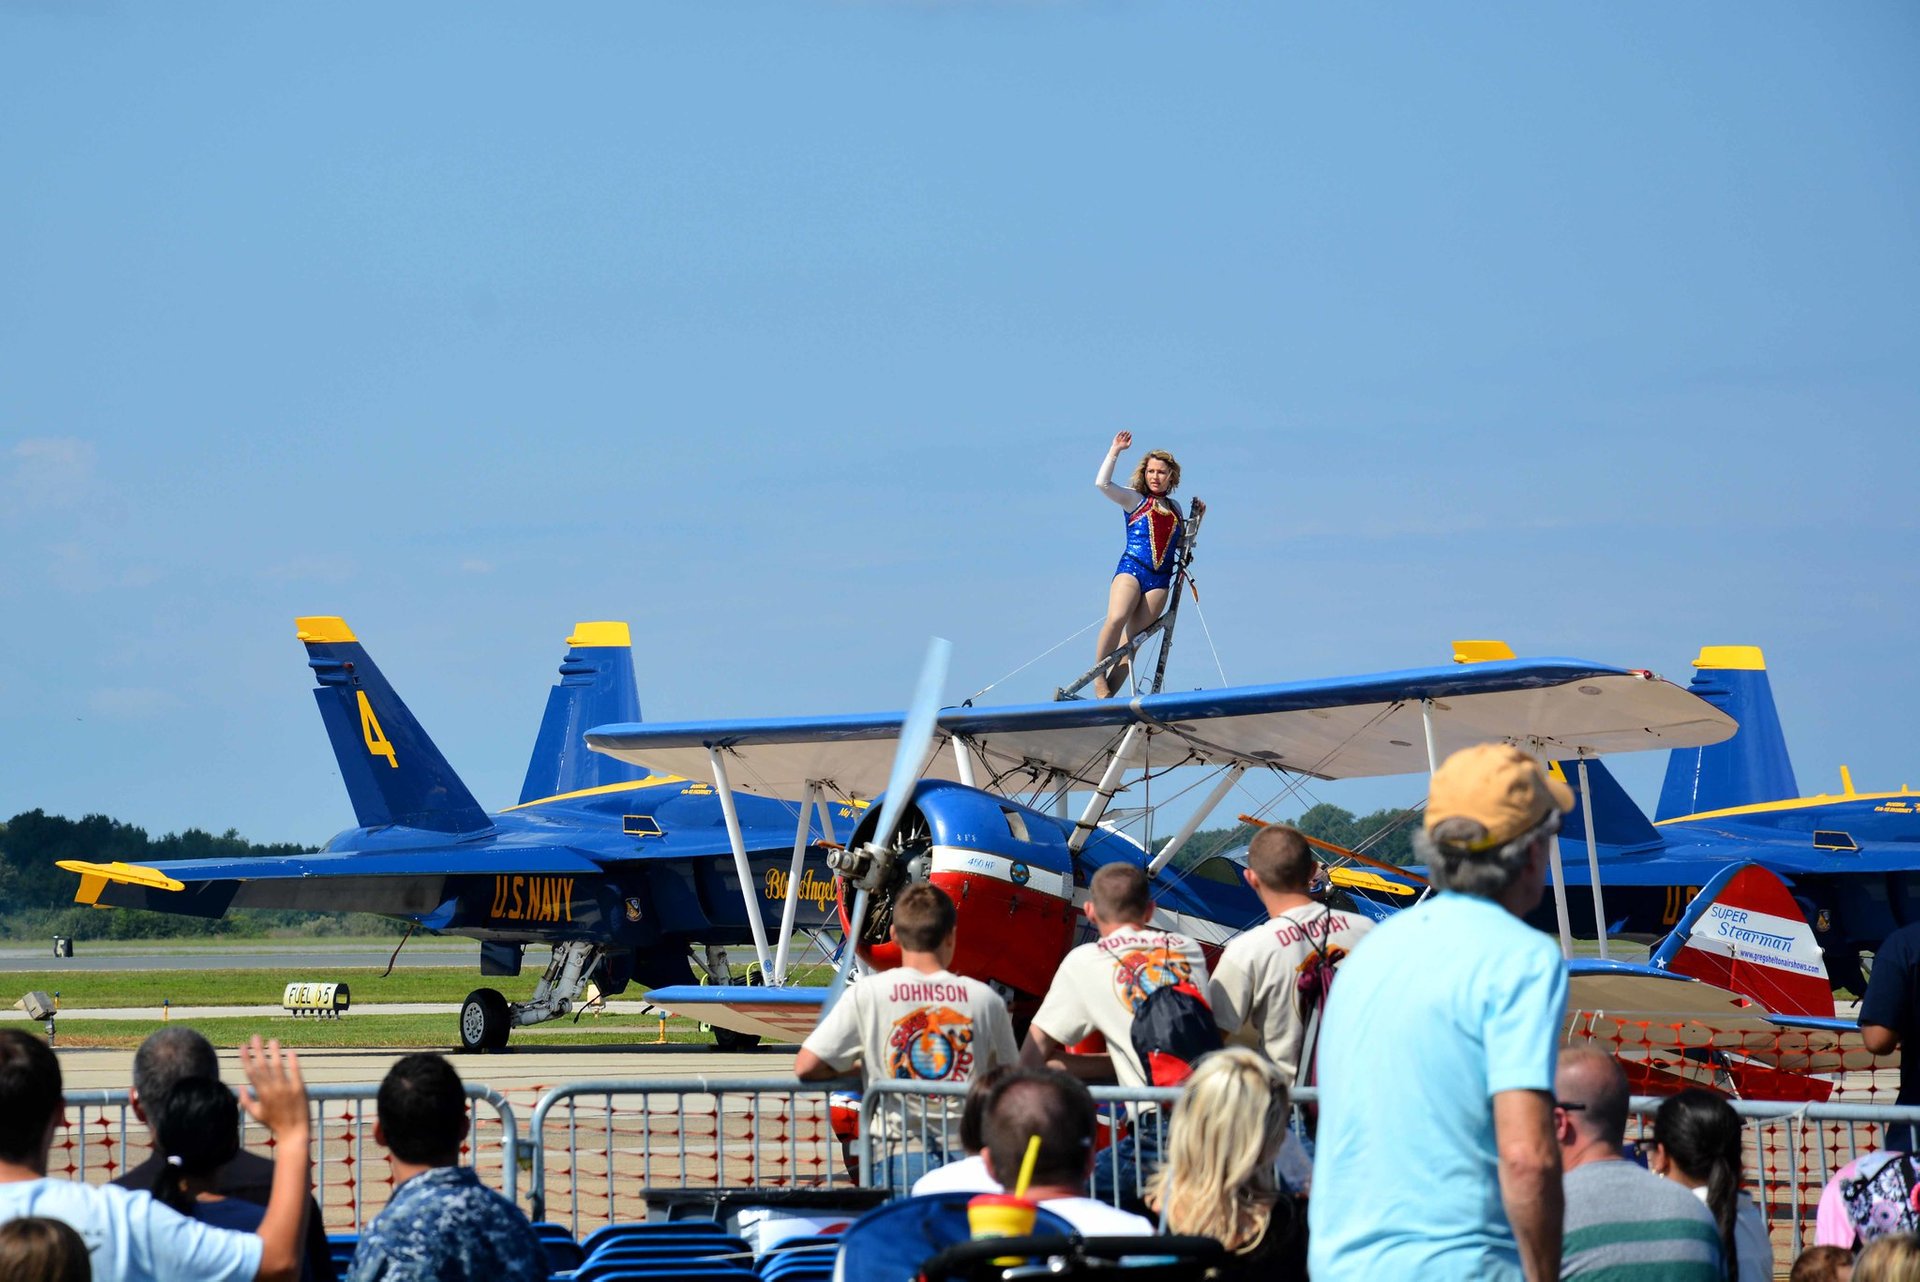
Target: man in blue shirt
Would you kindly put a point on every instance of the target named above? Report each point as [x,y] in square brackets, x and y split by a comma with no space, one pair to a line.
[131,1237]
[442,1223]
[1436,1153]
[1889,1016]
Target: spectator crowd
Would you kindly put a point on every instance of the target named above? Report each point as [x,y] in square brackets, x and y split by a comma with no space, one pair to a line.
[1454,1138]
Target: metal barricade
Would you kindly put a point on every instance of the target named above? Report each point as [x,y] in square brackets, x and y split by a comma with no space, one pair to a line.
[624,1137]
[101,1140]
[1793,1150]
[902,1133]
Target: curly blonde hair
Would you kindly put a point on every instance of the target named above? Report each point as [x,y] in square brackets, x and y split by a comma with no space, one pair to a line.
[1139,482]
[1218,1180]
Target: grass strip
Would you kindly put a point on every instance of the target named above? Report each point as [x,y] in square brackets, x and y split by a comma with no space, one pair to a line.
[95,989]
[410,1032]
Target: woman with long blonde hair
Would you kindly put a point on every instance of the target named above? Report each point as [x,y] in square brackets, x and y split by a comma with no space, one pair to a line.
[1893,1258]
[1155,527]
[1218,1178]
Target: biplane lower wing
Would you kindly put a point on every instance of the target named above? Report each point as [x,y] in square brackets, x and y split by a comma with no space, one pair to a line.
[779,1014]
[1345,727]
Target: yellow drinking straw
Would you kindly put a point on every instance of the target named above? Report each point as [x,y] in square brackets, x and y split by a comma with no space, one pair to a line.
[1027,1164]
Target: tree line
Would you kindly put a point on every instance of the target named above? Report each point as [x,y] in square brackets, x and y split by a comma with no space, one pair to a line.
[36,896]
[1386,835]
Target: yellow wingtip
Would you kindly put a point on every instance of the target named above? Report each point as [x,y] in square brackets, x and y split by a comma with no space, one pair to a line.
[605,632]
[1481,651]
[319,629]
[94,877]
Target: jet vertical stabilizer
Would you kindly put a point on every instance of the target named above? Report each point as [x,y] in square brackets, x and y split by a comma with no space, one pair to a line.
[1618,824]
[393,773]
[1749,768]
[596,688]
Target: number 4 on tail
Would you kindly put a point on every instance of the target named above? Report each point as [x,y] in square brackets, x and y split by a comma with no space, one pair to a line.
[370,730]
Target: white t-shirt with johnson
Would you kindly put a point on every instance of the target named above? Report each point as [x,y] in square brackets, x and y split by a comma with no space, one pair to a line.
[1101,983]
[906,1025]
[1256,983]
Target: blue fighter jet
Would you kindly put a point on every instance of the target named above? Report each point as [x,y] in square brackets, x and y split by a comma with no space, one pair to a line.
[621,870]
[1852,859]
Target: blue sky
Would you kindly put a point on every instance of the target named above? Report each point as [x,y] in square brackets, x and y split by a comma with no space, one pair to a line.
[793,333]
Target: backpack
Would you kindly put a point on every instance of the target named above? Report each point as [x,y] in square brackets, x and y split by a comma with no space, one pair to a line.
[1172,1029]
[1311,987]
[1885,1199]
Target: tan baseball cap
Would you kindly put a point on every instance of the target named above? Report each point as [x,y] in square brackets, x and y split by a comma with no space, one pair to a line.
[1499,787]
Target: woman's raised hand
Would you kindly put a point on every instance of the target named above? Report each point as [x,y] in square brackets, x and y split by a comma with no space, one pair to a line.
[1121,441]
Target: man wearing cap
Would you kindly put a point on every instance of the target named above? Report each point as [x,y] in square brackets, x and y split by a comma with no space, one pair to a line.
[1436,1150]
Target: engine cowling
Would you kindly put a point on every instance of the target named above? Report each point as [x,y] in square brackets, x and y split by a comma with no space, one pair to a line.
[1008,871]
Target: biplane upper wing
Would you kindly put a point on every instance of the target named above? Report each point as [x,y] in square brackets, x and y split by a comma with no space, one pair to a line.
[1343,727]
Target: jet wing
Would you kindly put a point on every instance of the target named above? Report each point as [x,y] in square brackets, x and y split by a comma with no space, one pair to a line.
[1340,728]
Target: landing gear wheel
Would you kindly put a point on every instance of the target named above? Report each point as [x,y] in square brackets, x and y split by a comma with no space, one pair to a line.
[726,1039]
[484,1021]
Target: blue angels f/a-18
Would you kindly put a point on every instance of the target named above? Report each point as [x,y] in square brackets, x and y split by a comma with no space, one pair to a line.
[619,869]
[624,870]
[1852,859]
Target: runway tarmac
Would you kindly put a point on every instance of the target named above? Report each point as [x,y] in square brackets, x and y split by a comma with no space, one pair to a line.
[99,955]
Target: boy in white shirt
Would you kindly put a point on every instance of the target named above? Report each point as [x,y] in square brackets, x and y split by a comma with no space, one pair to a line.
[920,1022]
[1098,988]
[1256,983]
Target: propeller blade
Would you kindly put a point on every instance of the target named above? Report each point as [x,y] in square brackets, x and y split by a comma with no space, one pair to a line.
[909,759]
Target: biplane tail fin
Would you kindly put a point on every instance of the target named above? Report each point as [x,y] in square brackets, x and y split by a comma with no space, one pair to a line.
[596,688]
[1745,932]
[393,772]
[1749,768]
[1617,821]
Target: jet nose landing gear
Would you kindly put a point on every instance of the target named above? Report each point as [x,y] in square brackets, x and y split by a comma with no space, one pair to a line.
[485,1021]
[486,1018]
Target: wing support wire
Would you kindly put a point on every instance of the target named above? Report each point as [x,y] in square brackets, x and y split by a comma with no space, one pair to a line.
[1198,817]
[741,867]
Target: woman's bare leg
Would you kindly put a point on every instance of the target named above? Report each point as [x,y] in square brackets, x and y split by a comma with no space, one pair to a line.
[1123,602]
[1144,612]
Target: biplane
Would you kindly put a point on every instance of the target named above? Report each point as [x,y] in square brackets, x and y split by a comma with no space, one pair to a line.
[976,800]
[672,838]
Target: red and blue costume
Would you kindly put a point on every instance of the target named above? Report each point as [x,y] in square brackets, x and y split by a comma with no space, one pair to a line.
[1154,529]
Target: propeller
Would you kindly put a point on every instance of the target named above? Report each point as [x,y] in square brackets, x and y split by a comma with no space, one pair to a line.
[909,759]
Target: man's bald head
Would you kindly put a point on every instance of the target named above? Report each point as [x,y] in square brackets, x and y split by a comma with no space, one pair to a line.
[1593,1080]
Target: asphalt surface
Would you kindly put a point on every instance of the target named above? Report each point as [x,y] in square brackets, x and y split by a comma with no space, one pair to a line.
[96,955]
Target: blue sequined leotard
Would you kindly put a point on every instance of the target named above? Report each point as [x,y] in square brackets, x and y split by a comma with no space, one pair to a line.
[1153,532]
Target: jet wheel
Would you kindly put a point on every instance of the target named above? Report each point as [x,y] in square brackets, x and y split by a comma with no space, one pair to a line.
[484,1021]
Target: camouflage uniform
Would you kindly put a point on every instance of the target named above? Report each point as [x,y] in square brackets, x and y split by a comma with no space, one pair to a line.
[443,1224]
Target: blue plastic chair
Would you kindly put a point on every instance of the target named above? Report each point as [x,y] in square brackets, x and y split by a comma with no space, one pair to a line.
[797,1264]
[683,1247]
[563,1253]
[612,1232]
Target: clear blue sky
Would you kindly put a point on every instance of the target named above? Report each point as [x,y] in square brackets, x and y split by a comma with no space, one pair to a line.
[793,333]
